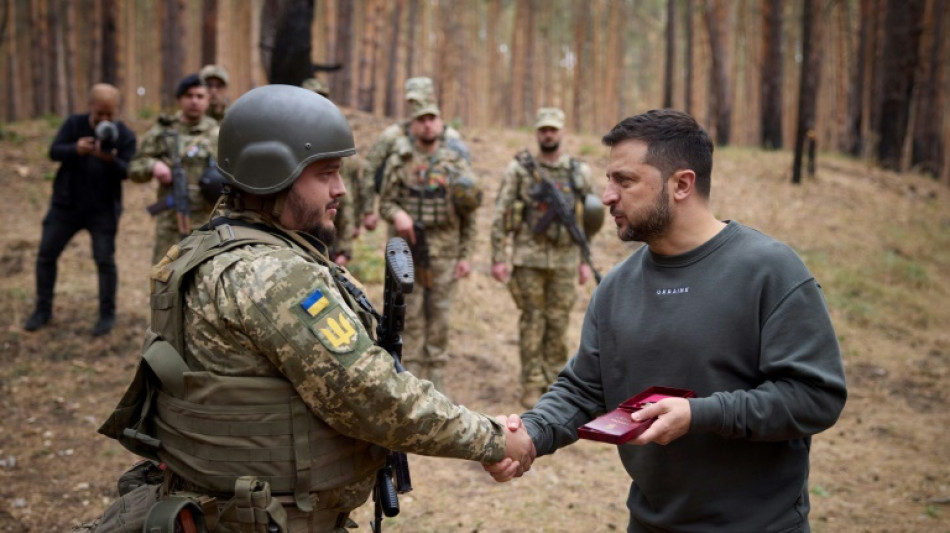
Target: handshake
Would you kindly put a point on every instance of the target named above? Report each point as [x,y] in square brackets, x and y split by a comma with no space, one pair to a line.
[519,451]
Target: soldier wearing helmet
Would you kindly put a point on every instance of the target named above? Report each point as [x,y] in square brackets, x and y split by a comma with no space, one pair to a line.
[544,265]
[262,349]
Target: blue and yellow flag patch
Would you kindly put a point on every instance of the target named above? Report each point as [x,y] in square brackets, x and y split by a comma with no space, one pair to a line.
[314,303]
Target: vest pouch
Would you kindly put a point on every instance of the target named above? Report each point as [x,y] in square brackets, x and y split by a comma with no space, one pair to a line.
[128,513]
[252,509]
[176,513]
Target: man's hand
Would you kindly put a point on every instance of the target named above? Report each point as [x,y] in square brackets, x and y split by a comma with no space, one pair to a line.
[499,271]
[341,259]
[583,273]
[672,421]
[370,220]
[402,223]
[161,172]
[519,451]
[85,145]
[462,269]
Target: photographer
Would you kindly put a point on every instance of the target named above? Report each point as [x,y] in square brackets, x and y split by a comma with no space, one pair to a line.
[87,194]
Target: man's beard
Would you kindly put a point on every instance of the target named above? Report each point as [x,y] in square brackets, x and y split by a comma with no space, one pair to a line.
[549,147]
[311,219]
[652,225]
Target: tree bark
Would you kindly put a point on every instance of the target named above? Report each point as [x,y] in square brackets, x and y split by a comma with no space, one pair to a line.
[688,58]
[717,15]
[291,62]
[173,52]
[808,87]
[926,153]
[341,84]
[209,32]
[392,86]
[899,65]
[670,65]
[110,48]
[771,81]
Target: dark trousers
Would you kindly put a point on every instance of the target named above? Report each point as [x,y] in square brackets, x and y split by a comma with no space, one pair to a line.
[59,227]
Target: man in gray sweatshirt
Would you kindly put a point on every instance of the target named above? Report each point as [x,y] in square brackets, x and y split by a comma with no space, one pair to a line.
[711,306]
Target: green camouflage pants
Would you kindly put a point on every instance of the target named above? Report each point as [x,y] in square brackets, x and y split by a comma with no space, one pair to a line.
[426,335]
[545,297]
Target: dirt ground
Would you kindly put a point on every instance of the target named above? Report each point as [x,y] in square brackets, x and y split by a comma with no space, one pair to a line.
[877,241]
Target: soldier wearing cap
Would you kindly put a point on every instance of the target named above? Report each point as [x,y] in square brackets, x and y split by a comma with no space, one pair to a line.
[194,137]
[216,78]
[419,92]
[269,392]
[429,197]
[543,265]
[357,202]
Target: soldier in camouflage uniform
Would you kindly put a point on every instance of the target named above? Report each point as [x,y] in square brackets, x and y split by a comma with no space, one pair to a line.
[419,91]
[545,264]
[197,136]
[252,312]
[358,200]
[432,186]
[216,78]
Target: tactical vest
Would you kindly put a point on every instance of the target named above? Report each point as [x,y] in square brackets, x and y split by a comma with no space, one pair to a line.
[212,429]
[425,195]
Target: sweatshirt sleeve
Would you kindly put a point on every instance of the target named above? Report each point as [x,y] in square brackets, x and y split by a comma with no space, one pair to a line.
[290,311]
[804,391]
[63,147]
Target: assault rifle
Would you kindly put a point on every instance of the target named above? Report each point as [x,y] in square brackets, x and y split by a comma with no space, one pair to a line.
[420,254]
[399,282]
[545,192]
[179,197]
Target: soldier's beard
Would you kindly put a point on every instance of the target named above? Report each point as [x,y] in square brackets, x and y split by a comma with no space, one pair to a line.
[549,147]
[310,219]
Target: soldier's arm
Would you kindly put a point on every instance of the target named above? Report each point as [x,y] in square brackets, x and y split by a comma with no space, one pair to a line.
[151,149]
[292,313]
[388,196]
[507,193]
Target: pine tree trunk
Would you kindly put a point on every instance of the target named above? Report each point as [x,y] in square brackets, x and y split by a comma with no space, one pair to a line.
[670,65]
[392,86]
[688,58]
[808,87]
[717,20]
[772,75]
[899,65]
[209,32]
[341,85]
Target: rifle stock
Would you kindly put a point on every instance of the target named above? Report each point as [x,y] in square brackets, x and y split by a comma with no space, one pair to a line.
[545,191]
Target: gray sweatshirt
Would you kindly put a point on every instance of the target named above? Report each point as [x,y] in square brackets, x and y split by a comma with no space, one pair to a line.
[741,322]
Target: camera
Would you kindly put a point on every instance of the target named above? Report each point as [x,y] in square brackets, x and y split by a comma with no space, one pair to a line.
[108,136]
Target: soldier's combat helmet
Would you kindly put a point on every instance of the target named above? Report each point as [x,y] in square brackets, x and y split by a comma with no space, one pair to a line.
[272,133]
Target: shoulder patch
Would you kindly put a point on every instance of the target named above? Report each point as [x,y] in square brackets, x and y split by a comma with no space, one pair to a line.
[338,331]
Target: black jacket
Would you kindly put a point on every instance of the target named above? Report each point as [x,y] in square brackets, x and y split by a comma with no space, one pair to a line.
[87,184]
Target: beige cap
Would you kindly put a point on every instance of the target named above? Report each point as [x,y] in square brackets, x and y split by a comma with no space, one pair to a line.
[550,117]
[427,107]
[420,89]
[316,86]
[214,71]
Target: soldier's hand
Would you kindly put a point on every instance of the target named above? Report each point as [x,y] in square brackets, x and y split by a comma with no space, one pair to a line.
[402,223]
[519,450]
[462,269]
[499,271]
[85,145]
[583,273]
[161,172]
[370,220]
[672,415]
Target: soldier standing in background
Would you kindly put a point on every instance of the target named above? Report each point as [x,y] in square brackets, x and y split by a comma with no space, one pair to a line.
[358,200]
[194,136]
[94,153]
[216,78]
[419,91]
[545,264]
[429,197]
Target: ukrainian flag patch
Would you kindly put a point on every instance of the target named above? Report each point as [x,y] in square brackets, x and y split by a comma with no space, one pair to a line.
[315,303]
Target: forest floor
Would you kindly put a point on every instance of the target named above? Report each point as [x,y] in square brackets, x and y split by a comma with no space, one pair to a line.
[879,243]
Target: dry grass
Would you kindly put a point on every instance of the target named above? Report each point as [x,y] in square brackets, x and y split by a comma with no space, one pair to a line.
[877,241]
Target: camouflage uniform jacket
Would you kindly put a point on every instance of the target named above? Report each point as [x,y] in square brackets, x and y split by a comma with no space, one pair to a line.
[517,213]
[420,184]
[385,147]
[277,311]
[355,203]
[197,144]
